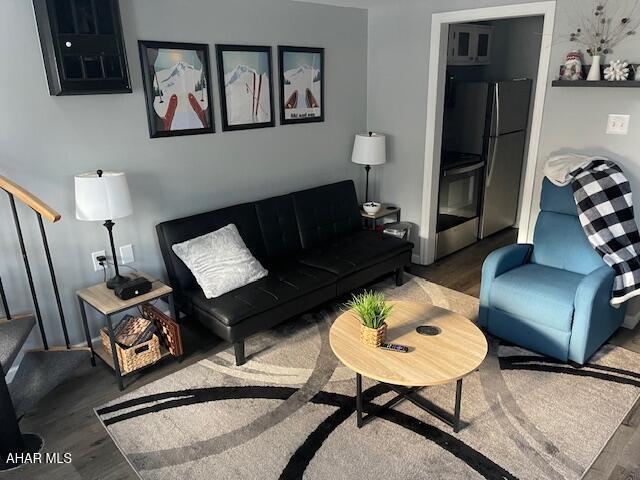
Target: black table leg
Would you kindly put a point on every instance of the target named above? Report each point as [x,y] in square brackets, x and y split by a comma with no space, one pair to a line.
[456,414]
[410,394]
[359,400]
[114,352]
[85,324]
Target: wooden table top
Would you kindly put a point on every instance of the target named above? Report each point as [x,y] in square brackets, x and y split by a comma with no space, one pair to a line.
[432,360]
[105,301]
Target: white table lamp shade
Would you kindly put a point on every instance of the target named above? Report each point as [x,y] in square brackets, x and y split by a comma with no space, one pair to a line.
[369,149]
[103,197]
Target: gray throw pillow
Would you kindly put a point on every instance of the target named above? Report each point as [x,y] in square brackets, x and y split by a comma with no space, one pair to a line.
[220,261]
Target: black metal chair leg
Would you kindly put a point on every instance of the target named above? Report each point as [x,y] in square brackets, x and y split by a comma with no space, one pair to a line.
[238,348]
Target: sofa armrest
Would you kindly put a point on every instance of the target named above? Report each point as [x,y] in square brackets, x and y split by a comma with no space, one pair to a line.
[498,262]
[594,319]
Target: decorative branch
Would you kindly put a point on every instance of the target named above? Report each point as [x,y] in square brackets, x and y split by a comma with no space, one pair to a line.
[608,24]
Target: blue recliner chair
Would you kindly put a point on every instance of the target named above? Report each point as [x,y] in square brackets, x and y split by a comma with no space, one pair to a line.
[553,296]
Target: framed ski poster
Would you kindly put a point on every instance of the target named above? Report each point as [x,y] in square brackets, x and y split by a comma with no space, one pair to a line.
[245,78]
[177,81]
[301,84]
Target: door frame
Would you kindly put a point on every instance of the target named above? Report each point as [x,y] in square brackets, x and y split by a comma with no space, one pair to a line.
[435,111]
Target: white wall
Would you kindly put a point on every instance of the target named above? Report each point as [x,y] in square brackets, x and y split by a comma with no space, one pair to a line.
[574,118]
[45,140]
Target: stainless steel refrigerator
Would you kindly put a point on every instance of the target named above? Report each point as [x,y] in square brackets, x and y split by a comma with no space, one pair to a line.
[490,119]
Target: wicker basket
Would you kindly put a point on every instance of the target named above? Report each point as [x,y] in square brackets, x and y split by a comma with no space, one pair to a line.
[136,357]
[373,337]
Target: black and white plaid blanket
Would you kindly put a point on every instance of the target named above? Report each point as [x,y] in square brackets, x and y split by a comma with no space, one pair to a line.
[605,208]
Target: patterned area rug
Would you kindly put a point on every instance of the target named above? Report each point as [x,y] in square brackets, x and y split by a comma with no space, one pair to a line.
[289,412]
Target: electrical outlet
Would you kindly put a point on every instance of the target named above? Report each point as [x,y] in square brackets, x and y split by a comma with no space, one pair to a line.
[126,254]
[94,259]
[618,124]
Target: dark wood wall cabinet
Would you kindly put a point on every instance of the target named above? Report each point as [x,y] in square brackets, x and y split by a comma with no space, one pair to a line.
[82,46]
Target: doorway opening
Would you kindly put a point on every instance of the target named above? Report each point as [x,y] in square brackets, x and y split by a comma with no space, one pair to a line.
[487,80]
[486,123]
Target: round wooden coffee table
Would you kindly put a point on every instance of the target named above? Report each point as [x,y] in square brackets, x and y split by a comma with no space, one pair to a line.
[456,350]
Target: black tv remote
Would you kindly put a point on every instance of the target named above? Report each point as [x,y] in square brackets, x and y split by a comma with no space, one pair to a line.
[394,347]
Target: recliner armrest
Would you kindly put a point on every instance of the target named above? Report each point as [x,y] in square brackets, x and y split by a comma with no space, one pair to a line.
[498,262]
[594,319]
[504,259]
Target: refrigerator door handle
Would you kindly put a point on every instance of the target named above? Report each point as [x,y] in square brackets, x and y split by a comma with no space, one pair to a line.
[461,170]
[497,110]
[491,159]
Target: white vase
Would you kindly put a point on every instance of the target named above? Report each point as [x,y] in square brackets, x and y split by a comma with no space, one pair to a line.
[594,72]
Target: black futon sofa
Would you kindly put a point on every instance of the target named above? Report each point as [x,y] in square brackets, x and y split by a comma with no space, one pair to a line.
[313,244]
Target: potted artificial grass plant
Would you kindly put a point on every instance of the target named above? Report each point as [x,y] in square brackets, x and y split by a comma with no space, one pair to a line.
[372,310]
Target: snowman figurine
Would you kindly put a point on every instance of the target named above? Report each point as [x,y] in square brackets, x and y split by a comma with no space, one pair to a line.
[572,69]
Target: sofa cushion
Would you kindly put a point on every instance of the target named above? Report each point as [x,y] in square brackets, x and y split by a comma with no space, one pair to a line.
[286,281]
[277,218]
[538,294]
[177,231]
[355,252]
[557,199]
[560,242]
[220,261]
[326,213]
[559,238]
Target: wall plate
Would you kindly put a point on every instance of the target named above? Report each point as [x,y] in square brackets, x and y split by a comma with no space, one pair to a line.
[126,254]
[94,256]
[618,124]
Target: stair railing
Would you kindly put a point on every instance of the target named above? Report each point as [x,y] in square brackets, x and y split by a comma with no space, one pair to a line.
[41,210]
[12,440]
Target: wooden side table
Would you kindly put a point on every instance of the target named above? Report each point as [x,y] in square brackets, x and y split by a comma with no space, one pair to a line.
[104,301]
[386,210]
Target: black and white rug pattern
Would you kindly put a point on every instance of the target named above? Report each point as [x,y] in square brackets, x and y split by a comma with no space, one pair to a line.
[289,413]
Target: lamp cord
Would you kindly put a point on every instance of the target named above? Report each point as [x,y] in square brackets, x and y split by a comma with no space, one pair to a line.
[125,266]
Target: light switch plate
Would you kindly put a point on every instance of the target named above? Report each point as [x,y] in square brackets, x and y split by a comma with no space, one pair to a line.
[618,124]
[126,254]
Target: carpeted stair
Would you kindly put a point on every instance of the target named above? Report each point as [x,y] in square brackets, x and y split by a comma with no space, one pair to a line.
[13,334]
[40,372]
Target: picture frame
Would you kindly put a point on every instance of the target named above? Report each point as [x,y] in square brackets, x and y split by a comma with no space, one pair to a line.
[245,79]
[177,86]
[301,77]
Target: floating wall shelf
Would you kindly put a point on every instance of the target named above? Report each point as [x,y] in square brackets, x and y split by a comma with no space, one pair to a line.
[599,83]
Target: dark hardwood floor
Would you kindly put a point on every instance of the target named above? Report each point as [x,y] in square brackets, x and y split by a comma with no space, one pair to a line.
[66,420]
[462,270]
